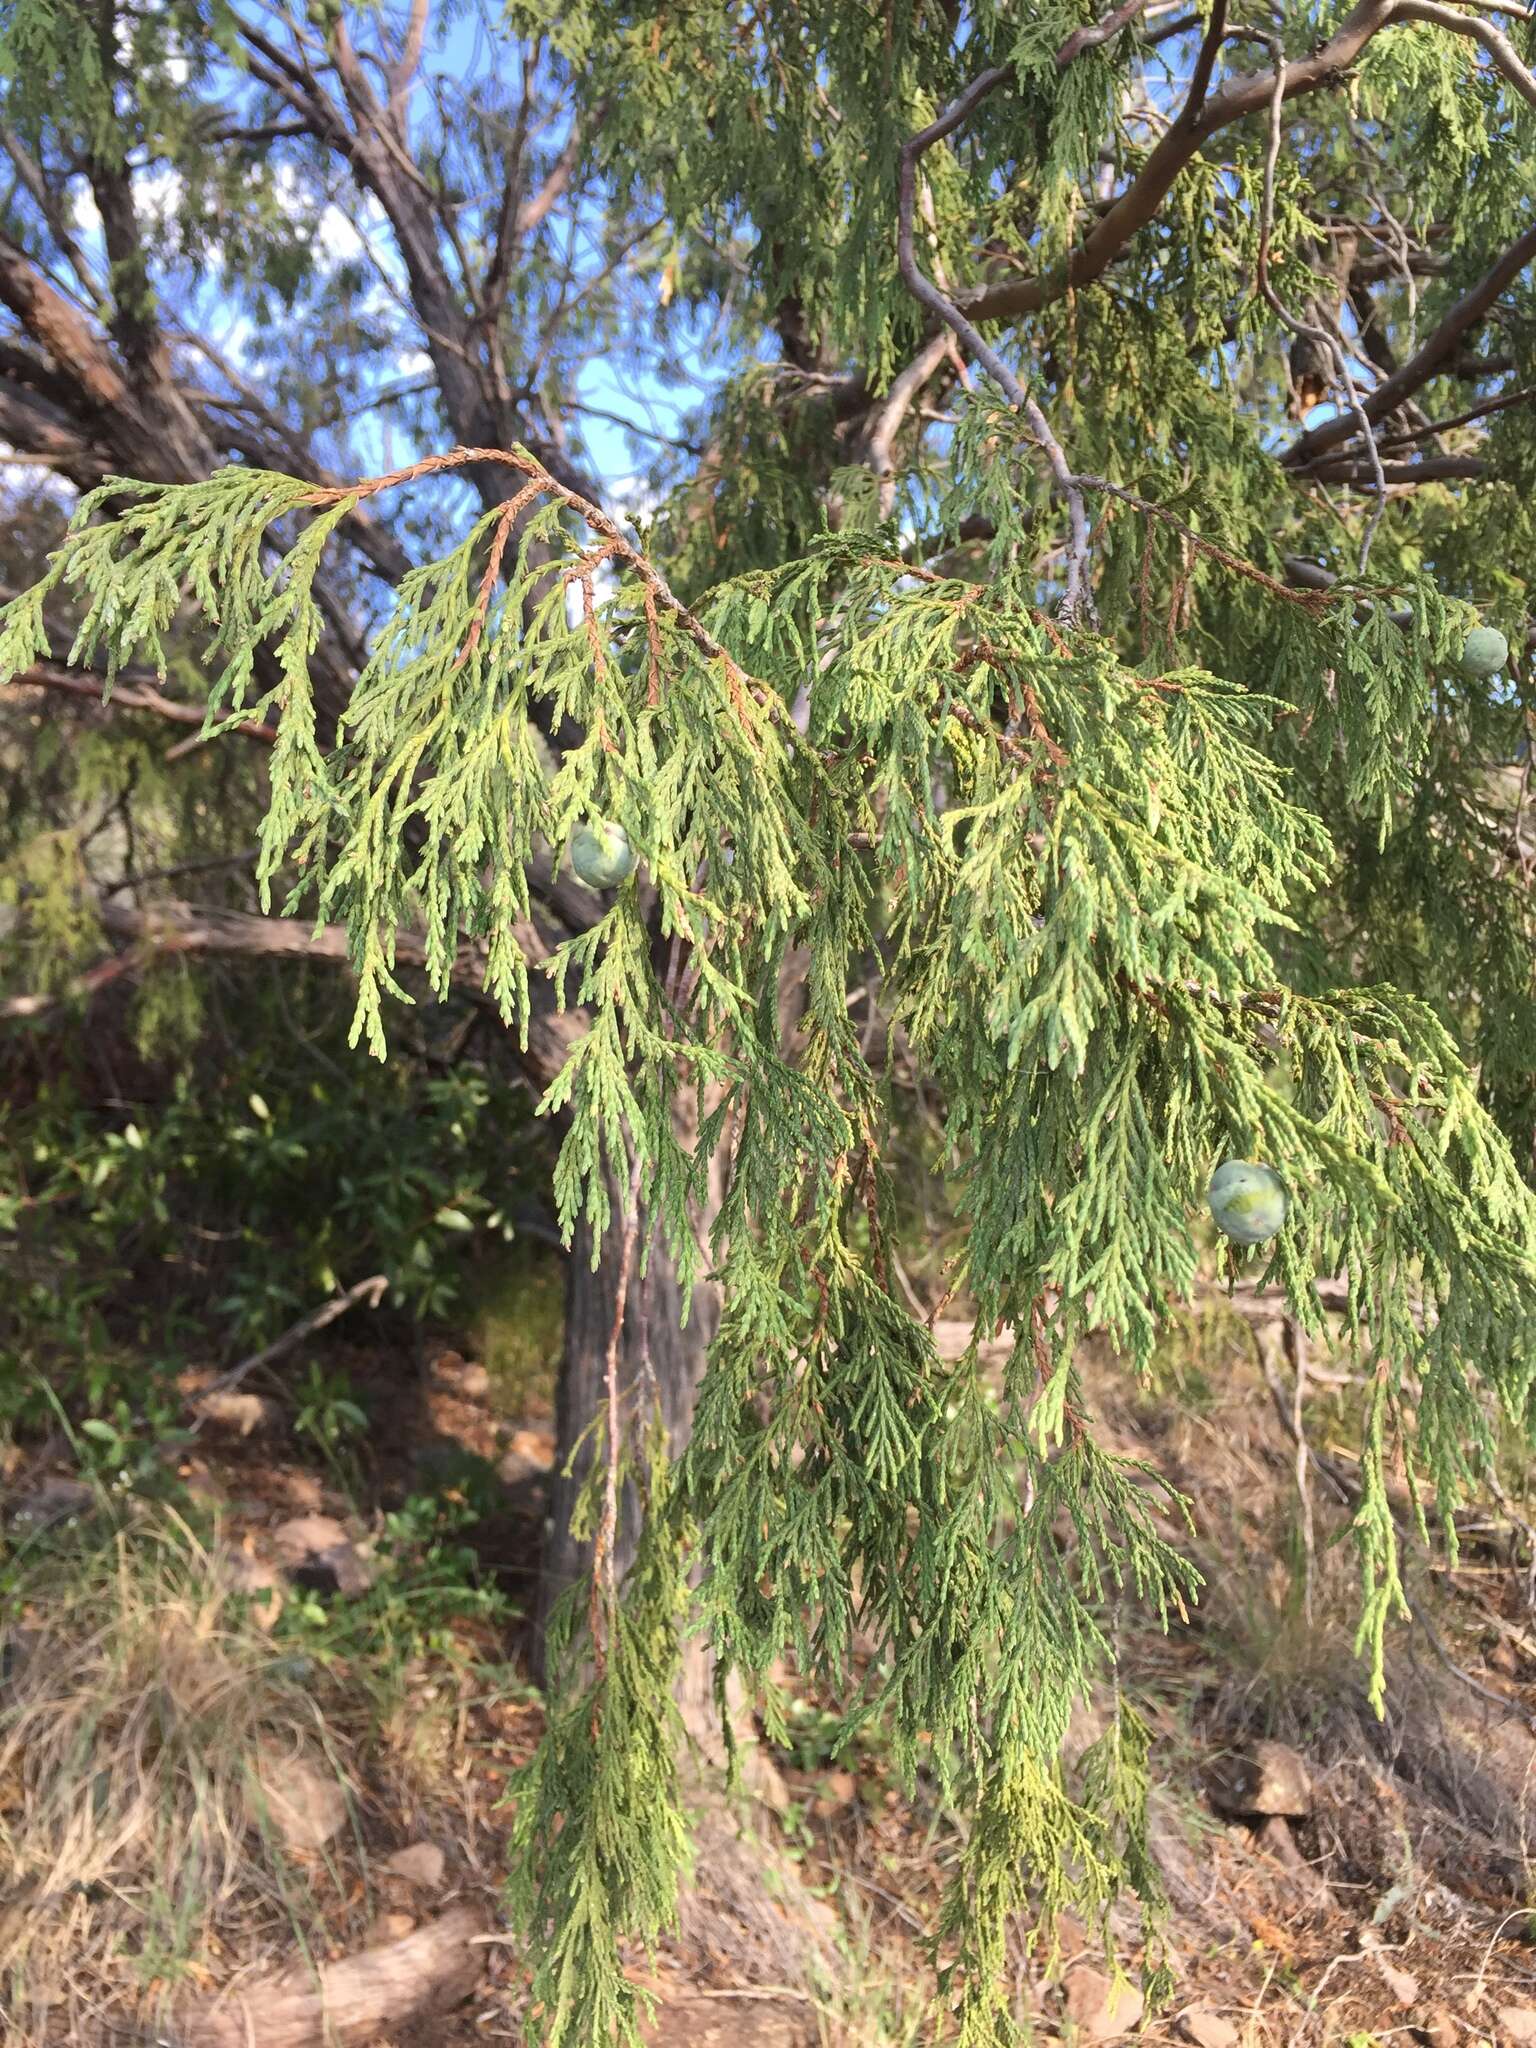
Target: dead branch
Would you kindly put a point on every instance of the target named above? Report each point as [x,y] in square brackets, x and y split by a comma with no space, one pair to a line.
[350,2003]
[371,1290]
[173,927]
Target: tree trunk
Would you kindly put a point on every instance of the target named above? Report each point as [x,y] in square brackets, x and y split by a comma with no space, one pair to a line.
[653,1316]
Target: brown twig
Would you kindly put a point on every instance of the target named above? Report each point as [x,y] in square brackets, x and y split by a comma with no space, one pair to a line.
[1311,599]
[135,696]
[738,683]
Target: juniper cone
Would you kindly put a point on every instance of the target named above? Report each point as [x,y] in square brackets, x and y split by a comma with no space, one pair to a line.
[601,854]
[959,671]
[1247,1200]
[1484,652]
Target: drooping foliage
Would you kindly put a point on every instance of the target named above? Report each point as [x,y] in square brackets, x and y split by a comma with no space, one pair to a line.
[1078,870]
[1231,868]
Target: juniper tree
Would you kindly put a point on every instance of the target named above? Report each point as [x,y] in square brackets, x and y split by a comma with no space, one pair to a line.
[998,642]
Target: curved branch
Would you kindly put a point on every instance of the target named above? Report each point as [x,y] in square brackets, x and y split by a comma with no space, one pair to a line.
[1498,45]
[893,409]
[1195,125]
[1097,33]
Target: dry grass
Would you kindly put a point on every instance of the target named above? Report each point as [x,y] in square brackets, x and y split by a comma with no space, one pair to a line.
[141,1698]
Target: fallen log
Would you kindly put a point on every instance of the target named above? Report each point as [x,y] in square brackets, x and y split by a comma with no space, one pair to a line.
[345,2004]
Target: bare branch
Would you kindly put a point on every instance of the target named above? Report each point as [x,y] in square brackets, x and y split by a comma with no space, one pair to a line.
[530,215]
[1434,469]
[1102,32]
[1014,297]
[1428,361]
[30,173]
[136,695]
[1498,46]
[372,1291]
[174,928]
[893,409]
[1501,403]
[401,73]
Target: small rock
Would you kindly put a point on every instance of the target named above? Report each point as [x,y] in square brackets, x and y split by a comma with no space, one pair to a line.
[536,1445]
[724,2023]
[514,1470]
[451,1370]
[1438,2028]
[1403,1986]
[319,1554]
[1517,2023]
[1207,2029]
[304,1535]
[1269,1779]
[1070,1937]
[1102,2009]
[390,1927]
[527,1458]
[303,1803]
[421,1864]
[232,1410]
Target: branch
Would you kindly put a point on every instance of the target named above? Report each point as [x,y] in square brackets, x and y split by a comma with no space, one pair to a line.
[1434,469]
[1328,339]
[44,432]
[1498,46]
[1102,32]
[1257,1304]
[372,1291]
[616,547]
[1462,419]
[401,73]
[1427,361]
[31,175]
[178,928]
[135,696]
[1194,126]
[893,409]
[1313,576]
[530,215]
